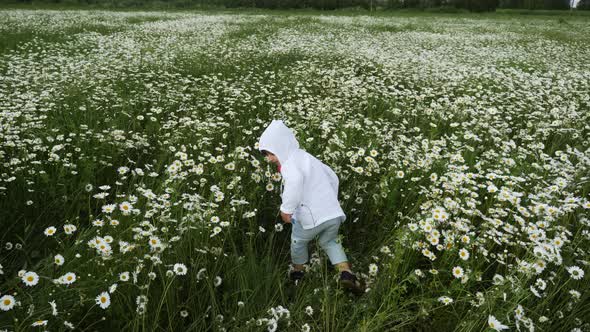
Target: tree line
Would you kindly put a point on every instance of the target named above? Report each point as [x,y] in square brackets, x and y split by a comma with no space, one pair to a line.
[450,5]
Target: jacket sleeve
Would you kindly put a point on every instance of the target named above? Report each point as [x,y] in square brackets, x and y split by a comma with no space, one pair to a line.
[332,177]
[293,190]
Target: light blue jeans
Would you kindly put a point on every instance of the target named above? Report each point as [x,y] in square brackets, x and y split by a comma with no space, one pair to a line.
[327,233]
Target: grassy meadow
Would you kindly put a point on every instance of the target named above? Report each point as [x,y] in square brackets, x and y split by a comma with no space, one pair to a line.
[133,196]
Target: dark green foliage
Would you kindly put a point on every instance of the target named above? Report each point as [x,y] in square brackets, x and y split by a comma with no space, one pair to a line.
[535,4]
[443,6]
[477,5]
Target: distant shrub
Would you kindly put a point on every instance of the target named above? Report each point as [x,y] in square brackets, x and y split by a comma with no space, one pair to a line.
[445,9]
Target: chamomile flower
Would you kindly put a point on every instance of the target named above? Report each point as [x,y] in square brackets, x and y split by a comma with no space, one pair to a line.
[100,195]
[575,294]
[373,269]
[39,323]
[465,239]
[69,229]
[68,278]
[59,260]
[30,278]
[50,231]
[103,300]
[201,273]
[230,166]
[155,243]
[7,302]
[519,312]
[125,208]
[464,254]
[445,300]
[458,272]
[575,272]
[180,269]
[124,276]
[216,230]
[53,308]
[109,208]
[495,324]
[541,284]
[498,279]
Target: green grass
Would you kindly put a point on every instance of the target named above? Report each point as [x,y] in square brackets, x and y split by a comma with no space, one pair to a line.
[209,97]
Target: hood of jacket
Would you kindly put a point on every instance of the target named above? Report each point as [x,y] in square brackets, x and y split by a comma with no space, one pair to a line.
[279,140]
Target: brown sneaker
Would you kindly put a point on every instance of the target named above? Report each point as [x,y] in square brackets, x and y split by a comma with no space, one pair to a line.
[296,277]
[350,282]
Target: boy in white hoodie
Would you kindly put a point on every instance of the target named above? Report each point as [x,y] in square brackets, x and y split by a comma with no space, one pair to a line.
[309,202]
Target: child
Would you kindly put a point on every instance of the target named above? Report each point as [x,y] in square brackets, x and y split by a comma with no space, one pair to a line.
[309,202]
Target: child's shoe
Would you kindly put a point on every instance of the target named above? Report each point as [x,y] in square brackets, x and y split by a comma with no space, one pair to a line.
[296,276]
[350,282]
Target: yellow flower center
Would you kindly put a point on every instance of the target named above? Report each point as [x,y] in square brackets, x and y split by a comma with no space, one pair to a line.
[103,299]
[30,278]
[7,302]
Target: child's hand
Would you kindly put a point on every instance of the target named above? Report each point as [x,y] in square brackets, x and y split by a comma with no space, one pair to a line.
[286,217]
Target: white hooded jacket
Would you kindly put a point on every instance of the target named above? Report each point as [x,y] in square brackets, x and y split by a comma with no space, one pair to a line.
[310,190]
